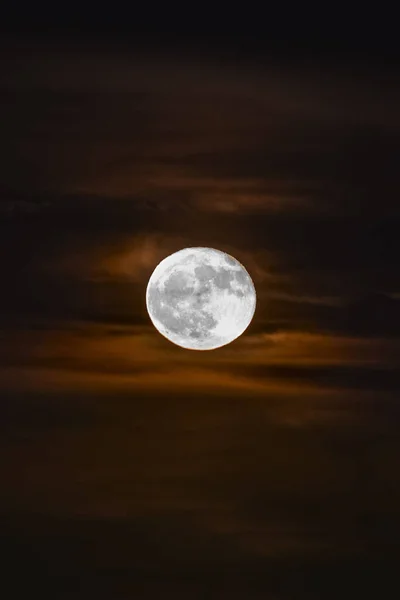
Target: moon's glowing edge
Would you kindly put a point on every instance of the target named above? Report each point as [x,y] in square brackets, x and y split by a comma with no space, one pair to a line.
[170,335]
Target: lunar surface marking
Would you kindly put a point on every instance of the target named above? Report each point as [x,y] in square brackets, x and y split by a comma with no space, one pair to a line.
[200,298]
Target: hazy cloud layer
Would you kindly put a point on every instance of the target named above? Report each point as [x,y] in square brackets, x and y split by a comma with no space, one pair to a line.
[164,471]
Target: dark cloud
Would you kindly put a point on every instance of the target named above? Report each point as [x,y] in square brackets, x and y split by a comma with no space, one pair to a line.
[370,378]
[372,315]
[236,493]
[64,547]
[268,468]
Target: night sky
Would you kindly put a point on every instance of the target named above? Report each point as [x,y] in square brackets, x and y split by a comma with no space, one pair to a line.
[134,469]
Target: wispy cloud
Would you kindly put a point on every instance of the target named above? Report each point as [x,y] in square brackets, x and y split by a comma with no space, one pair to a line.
[282,446]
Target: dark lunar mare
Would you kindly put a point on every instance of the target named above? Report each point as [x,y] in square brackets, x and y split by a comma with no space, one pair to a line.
[178,288]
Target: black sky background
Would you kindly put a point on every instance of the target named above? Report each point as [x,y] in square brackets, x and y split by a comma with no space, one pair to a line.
[131,468]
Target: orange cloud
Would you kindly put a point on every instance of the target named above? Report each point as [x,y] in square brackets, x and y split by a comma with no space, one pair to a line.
[104,358]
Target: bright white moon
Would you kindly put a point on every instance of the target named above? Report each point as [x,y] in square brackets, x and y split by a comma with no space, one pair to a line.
[200,298]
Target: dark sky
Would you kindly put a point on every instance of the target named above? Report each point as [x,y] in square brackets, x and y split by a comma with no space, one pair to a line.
[130,467]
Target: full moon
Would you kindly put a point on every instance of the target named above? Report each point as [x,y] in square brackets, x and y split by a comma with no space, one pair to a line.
[200,298]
